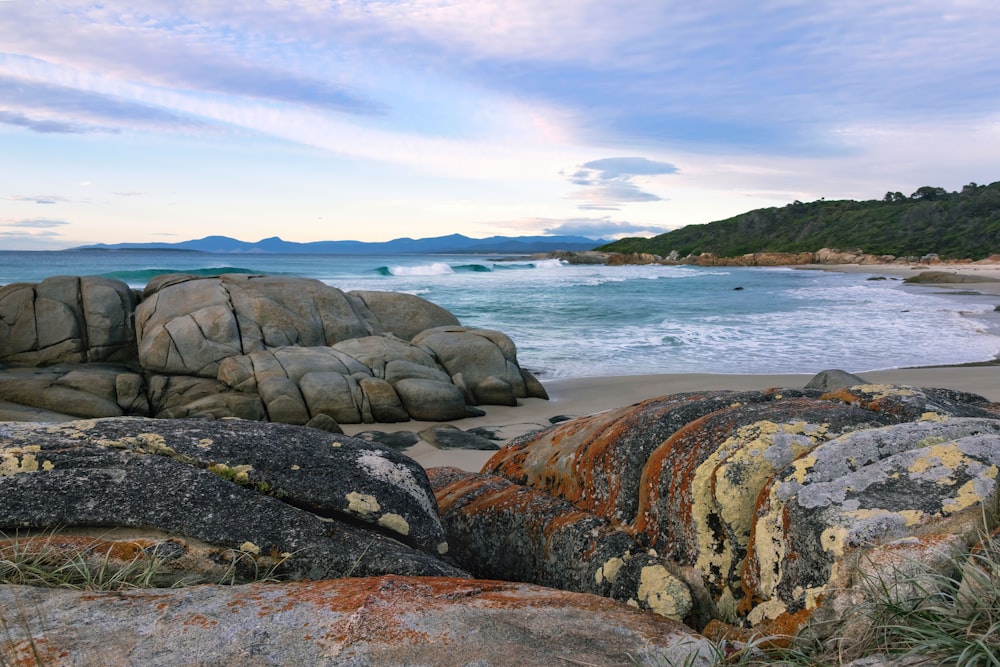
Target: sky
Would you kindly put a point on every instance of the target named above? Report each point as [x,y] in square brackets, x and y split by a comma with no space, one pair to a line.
[148,121]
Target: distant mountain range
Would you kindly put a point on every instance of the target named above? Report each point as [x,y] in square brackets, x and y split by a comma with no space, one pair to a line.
[452,244]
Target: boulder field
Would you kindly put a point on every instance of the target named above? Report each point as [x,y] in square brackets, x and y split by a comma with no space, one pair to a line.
[267,348]
[619,538]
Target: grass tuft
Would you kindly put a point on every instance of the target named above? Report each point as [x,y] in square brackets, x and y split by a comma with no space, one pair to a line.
[921,617]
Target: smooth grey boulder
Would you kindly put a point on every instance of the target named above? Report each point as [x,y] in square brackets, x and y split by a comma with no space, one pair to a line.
[329,500]
[274,348]
[189,324]
[182,396]
[403,315]
[432,400]
[481,362]
[78,390]
[67,319]
[834,379]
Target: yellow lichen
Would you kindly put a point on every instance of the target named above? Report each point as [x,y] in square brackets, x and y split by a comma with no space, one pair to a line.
[834,540]
[14,460]
[443,548]
[766,611]
[205,443]
[931,417]
[663,593]
[886,390]
[949,456]
[609,571]
[296,468]
[395,523]
[966,496]
[239,473]
[800,467]
[362,503]
[250,548]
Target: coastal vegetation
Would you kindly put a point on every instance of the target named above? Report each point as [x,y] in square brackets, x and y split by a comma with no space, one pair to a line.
[952,225]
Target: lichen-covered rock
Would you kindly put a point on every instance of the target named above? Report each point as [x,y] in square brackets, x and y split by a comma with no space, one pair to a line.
[363,621]
[700,484]
[707,480]
[501,530]
[597,462]
[257,487]
[67,319]
[857,499]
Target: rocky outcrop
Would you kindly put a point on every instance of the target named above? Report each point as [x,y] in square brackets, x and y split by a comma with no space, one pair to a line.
[290,350]
[944,277]
[308,503]
[66,319]
[777,500]
[365,621]
[501,530]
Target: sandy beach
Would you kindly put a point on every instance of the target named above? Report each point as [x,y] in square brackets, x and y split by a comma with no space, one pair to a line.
[582,396]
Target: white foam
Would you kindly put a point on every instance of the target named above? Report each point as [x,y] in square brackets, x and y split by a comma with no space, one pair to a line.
[435,269]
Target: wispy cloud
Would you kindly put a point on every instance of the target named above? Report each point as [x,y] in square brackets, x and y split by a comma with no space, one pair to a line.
[37,223]
[52,107]
[37,199]
[42,125]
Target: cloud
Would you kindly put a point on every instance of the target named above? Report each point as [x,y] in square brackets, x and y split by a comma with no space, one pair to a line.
[42,125]
[602,228]
[51,107]
[38,223]
[195,48]
[624,167]
[37,199]
[609,182]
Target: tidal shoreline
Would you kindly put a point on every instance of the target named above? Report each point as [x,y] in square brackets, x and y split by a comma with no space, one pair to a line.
[572,397]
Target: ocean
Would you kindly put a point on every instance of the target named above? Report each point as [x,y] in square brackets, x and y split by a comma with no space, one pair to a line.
[594,320]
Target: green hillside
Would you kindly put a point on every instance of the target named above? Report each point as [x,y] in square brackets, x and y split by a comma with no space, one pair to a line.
[954,225]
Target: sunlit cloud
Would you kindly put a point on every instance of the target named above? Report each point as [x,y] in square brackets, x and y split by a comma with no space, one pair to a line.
[603,228]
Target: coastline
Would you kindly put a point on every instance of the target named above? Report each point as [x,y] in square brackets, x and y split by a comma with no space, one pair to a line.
[574,397]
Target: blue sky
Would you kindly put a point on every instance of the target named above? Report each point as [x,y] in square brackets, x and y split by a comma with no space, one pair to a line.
[363,119]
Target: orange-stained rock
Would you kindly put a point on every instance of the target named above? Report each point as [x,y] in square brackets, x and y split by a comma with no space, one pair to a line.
[596,462]
[375,621]
[500,530]
[773,497]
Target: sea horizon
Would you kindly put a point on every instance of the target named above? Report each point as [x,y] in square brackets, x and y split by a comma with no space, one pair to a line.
[596,320]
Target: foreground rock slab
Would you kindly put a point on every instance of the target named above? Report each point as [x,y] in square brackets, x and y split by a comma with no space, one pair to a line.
[372,621]
[321,504]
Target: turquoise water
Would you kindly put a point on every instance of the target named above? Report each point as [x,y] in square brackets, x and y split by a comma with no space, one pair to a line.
[577,321]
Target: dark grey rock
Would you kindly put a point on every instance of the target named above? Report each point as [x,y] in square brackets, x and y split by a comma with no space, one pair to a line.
[834,379]
[450,437]
[225,482]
